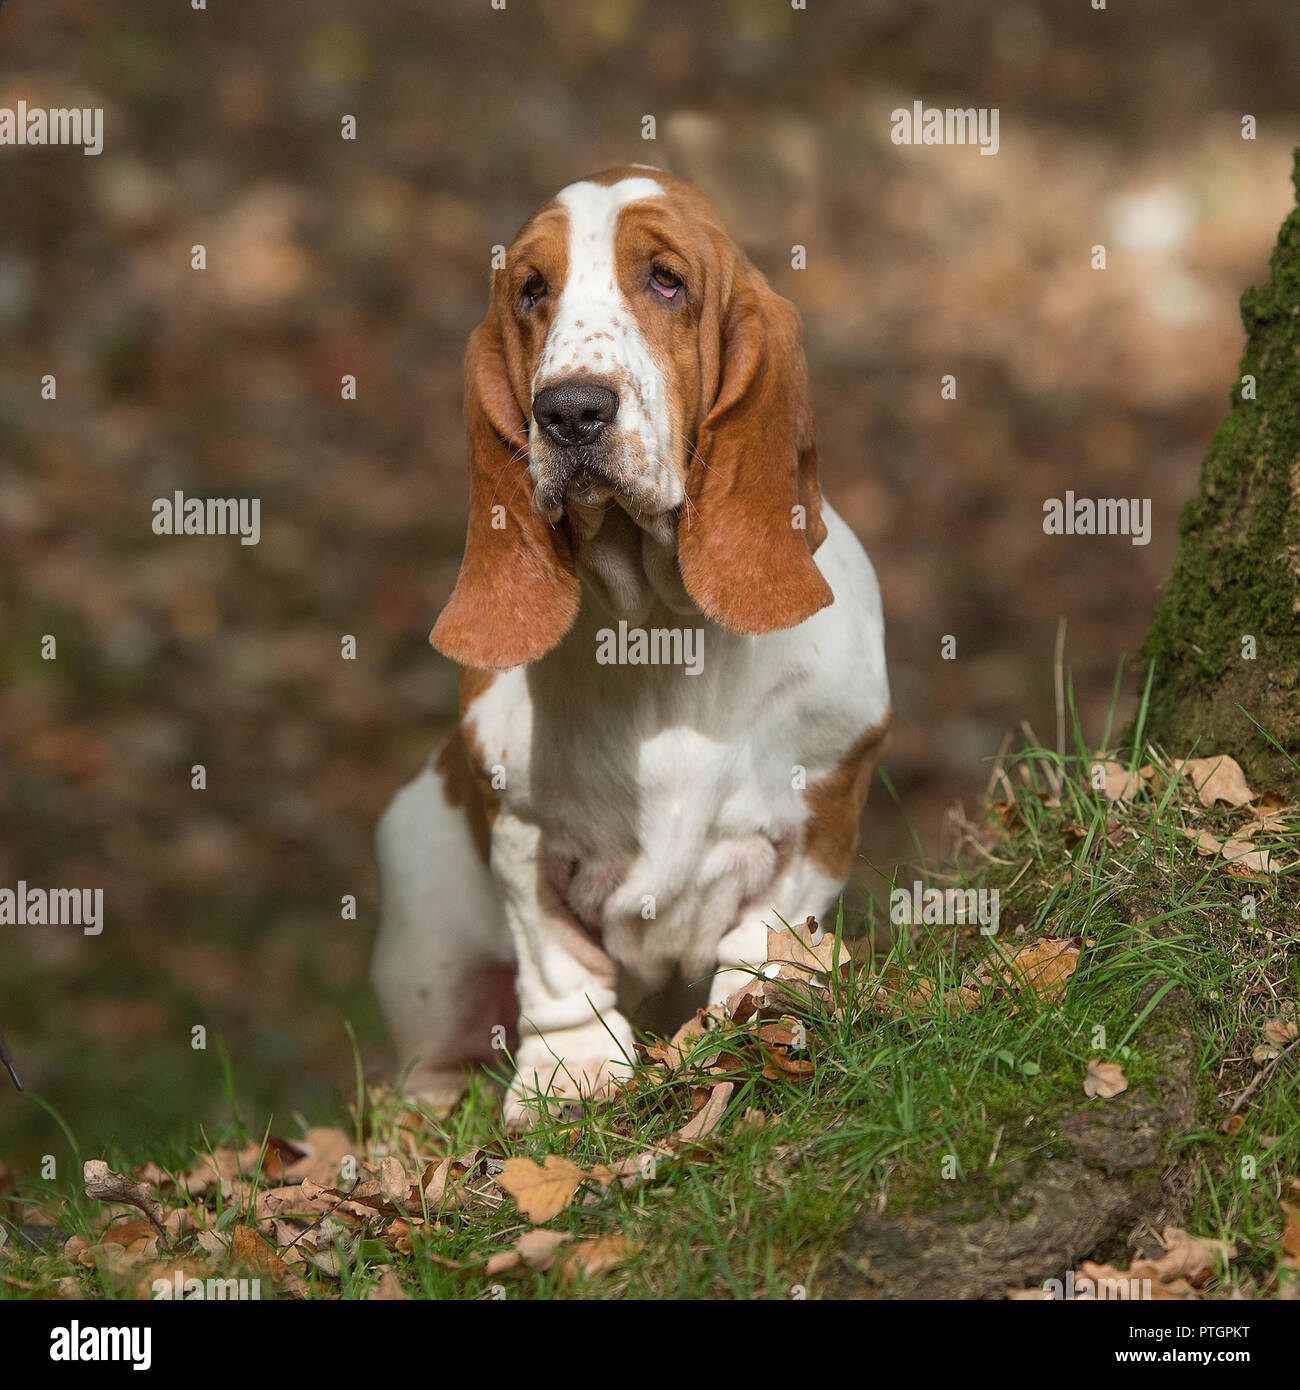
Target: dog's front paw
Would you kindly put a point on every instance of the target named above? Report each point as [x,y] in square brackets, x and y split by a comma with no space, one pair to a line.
[559,1074]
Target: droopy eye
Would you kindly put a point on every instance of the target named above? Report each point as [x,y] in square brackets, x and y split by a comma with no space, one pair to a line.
[533,290]
[665,282]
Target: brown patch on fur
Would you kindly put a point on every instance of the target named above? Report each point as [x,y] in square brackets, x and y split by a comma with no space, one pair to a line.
[836,801]
[462,785]
[462,765]
[472,684]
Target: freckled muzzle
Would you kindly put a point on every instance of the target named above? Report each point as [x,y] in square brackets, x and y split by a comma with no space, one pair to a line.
[573,419]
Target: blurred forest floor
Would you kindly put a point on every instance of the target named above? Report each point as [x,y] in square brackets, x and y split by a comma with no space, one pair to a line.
[370,257]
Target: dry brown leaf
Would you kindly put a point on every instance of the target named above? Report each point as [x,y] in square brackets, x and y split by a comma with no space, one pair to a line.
[443,1183]
[1045,966]
[323,1152]
[1289,1273]
[707,1119]
[540,1191]
[595,1255]
[1190,1257]
[1291,1235]
[1098,1278]
[684,1041]
[1180,1273]
[1009,813]
[177,1270]
[1269,810]
[635,1168]
[895,993]
[294,1201]
[762,994]
[536,1249]
[794,947]
[1121,784]
[1104,1079]
[1242,854]
[1281,1031]
[388,1289]
[1218,779]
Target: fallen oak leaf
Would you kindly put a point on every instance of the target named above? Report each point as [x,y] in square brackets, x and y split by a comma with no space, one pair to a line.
[324,1150]
[794,947]
[1104,1079]
[387,1289]
[708,1118]
[1121,785]
[1281,1031]
[1190,1257]
[1046,965]
[1218,779]
[542,1190]
[594,1255]
[442,1183]
[683,1045]
[536,1248]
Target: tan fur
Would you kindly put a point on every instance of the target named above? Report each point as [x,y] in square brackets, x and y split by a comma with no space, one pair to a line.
[836,802]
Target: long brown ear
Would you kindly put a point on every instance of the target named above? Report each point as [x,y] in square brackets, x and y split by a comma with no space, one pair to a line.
[753,511]
[517,592]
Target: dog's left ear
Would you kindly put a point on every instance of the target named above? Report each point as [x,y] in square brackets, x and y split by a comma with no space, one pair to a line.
[752,518]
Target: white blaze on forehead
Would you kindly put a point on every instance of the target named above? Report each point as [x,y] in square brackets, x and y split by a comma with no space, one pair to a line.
[595,334]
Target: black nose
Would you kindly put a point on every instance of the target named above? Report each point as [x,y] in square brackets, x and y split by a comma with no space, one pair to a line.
[574,413]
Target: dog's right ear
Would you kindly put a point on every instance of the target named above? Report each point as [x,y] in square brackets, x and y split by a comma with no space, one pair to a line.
[517,592]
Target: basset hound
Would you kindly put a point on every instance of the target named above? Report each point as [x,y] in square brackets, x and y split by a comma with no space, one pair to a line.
[673,689]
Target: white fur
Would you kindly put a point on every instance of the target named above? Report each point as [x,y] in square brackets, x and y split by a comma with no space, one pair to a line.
[595,334]
[630,789]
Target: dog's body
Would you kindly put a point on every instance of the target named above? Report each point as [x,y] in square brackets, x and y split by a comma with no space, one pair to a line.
[650,458]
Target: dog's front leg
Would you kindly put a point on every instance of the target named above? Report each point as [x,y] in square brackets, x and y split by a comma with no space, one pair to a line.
[801,891]
[573,1042]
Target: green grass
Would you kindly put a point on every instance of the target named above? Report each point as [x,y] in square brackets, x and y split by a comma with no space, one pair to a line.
[939,1108]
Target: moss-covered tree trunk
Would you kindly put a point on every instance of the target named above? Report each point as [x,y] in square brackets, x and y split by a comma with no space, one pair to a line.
[1225,636]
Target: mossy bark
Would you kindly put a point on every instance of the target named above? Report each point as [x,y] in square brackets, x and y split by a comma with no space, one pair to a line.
[1104,1174]
[1237,575]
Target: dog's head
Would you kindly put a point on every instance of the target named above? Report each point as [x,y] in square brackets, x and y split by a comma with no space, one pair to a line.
[632,356]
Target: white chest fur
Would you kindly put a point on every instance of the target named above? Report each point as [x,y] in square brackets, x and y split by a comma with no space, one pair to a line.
[668,801]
